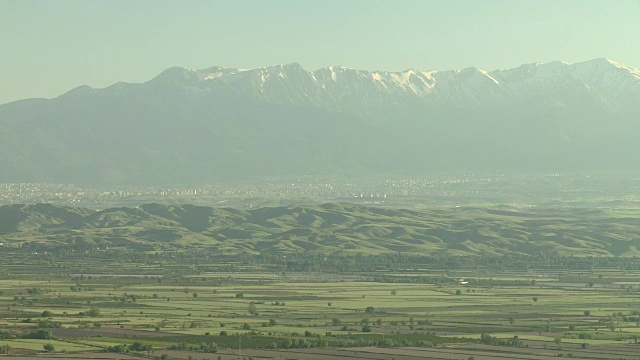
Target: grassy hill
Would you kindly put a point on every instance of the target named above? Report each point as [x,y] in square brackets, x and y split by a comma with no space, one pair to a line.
[332,228]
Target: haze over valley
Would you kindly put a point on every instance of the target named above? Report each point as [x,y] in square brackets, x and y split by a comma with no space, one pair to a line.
[362,179]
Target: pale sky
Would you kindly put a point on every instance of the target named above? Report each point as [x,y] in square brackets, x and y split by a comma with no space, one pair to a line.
[50,47]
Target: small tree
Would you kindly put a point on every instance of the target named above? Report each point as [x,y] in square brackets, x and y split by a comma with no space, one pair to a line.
[394,292]
[49,348]
[535,299]
[512,320]
[587,313]
[252,309]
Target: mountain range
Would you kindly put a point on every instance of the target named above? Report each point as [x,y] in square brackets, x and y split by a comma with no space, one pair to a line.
[226,124]
[333,228]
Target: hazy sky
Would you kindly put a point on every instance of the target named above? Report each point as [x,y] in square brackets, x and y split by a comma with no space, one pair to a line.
[49,47]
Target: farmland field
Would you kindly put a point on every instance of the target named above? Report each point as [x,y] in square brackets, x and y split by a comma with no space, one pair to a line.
[405,314]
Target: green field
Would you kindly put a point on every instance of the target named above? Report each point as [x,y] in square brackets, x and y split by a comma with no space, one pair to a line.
[331,281]
[282,315]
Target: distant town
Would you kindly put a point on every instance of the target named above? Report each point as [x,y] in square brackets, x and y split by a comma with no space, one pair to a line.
[513,190]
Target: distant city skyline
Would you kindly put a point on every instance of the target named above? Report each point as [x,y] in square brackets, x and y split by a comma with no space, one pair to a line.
[51,47]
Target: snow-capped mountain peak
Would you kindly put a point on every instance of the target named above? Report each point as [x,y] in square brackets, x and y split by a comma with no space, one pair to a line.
[362,92]
[176,74]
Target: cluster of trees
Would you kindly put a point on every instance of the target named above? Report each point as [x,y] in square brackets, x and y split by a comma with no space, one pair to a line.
[37,334]
[320,262]
[122,349]
[492,340]
[208,347]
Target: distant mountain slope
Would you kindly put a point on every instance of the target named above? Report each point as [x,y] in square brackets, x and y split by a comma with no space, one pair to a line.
[334,228]
[198,126]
